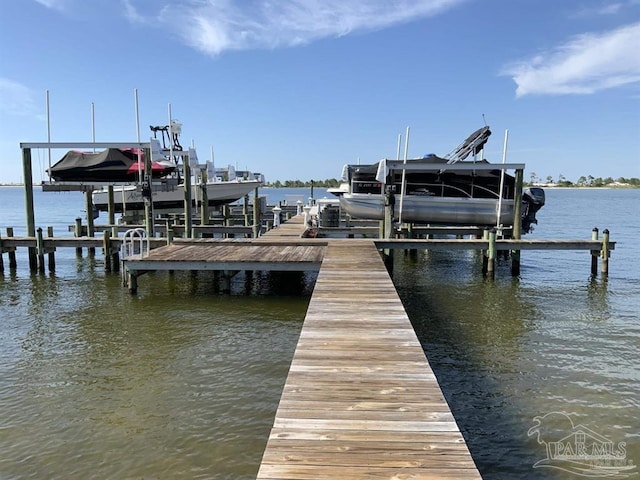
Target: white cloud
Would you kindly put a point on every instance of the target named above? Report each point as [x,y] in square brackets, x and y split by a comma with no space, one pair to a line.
[54,4]
[131,13]
[607,7]
[215,26]
[17,100]
[586,64]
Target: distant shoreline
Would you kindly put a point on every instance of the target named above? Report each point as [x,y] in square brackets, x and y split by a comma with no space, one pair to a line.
[550,187]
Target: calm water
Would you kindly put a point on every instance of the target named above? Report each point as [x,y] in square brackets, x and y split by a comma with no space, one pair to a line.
[182,382]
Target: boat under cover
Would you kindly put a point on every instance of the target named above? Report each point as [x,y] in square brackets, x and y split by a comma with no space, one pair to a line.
[110,165]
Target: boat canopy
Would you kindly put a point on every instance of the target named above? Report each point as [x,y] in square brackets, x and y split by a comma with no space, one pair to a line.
[110,165]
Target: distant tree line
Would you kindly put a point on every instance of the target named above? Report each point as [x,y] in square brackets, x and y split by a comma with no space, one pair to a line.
[328,183]
[588,181]
[561,181]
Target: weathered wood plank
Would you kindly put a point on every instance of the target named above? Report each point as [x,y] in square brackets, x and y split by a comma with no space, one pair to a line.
[360,400]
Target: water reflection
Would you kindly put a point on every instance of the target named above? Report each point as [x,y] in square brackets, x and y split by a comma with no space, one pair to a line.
[172,383]
[508,350]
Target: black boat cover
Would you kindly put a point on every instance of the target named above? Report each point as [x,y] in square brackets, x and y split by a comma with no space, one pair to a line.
[110,165]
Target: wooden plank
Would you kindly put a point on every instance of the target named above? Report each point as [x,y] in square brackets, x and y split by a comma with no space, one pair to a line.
[360,400]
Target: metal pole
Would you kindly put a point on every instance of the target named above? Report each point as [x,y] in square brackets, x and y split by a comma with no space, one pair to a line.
[404,174]
[504,160]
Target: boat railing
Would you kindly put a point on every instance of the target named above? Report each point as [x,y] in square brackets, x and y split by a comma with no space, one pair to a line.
[442,187]
[135,243]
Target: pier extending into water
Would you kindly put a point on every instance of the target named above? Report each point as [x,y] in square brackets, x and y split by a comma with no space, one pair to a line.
[360,400]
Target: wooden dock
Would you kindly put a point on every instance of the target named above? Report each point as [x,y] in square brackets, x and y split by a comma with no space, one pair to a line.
[361,400]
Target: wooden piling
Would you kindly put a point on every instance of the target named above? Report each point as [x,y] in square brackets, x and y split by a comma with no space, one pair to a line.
[27,177]
[491,260]
[51,256]
[1,255]
[188,220]
[78,233]
[115,255]
[594,253]
[90,225]
[132,283]
[204,206]
[605,252]
[13,263]
[106,249]
[256,214]
[516,232]
[111,205]
[40,249]
[485,236]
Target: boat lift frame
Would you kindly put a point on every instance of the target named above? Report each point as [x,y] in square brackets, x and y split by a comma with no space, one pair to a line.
[88,187]
[400,165]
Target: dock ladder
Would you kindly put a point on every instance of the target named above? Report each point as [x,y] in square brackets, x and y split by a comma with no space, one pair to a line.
[135,243]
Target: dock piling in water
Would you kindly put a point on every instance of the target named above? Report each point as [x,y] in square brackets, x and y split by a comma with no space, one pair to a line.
[605,253]
[594,253]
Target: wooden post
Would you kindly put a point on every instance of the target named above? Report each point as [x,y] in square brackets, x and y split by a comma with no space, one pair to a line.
[188,220]
[106,249]
[111,205]
[27,177]
[90,224]
[605,252]
[115,256]
[594,253]
[13,263]
[1,255]
[78,234]
[169,232]
[256,214]
[51,253]
[517,206]
[516,232]
[204,206]
[40,249]
[147,193]
[226,213]
[485,253]
[245,210]
[225,279]
[491,261]
[132,282]
[515,262]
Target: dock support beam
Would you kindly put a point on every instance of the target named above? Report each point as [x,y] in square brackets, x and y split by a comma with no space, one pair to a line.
[256,214]
[51,253]
[594,253]
[605,253]
[516,233]
[204,206]
[27,177]
[90,224]
[491,254]
[40,249]
[111,205]
[78,233]
[132,283]
[188,220]
[13,263]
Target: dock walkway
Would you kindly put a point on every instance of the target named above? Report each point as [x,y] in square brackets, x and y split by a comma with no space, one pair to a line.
[360,400]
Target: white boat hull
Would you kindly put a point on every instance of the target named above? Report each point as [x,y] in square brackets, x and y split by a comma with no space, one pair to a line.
[168,198]
[429,209]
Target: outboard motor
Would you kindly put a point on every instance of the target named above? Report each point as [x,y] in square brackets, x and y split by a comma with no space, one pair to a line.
[532,201]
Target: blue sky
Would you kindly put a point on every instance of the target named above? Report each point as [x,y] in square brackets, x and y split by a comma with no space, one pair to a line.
[297,88]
